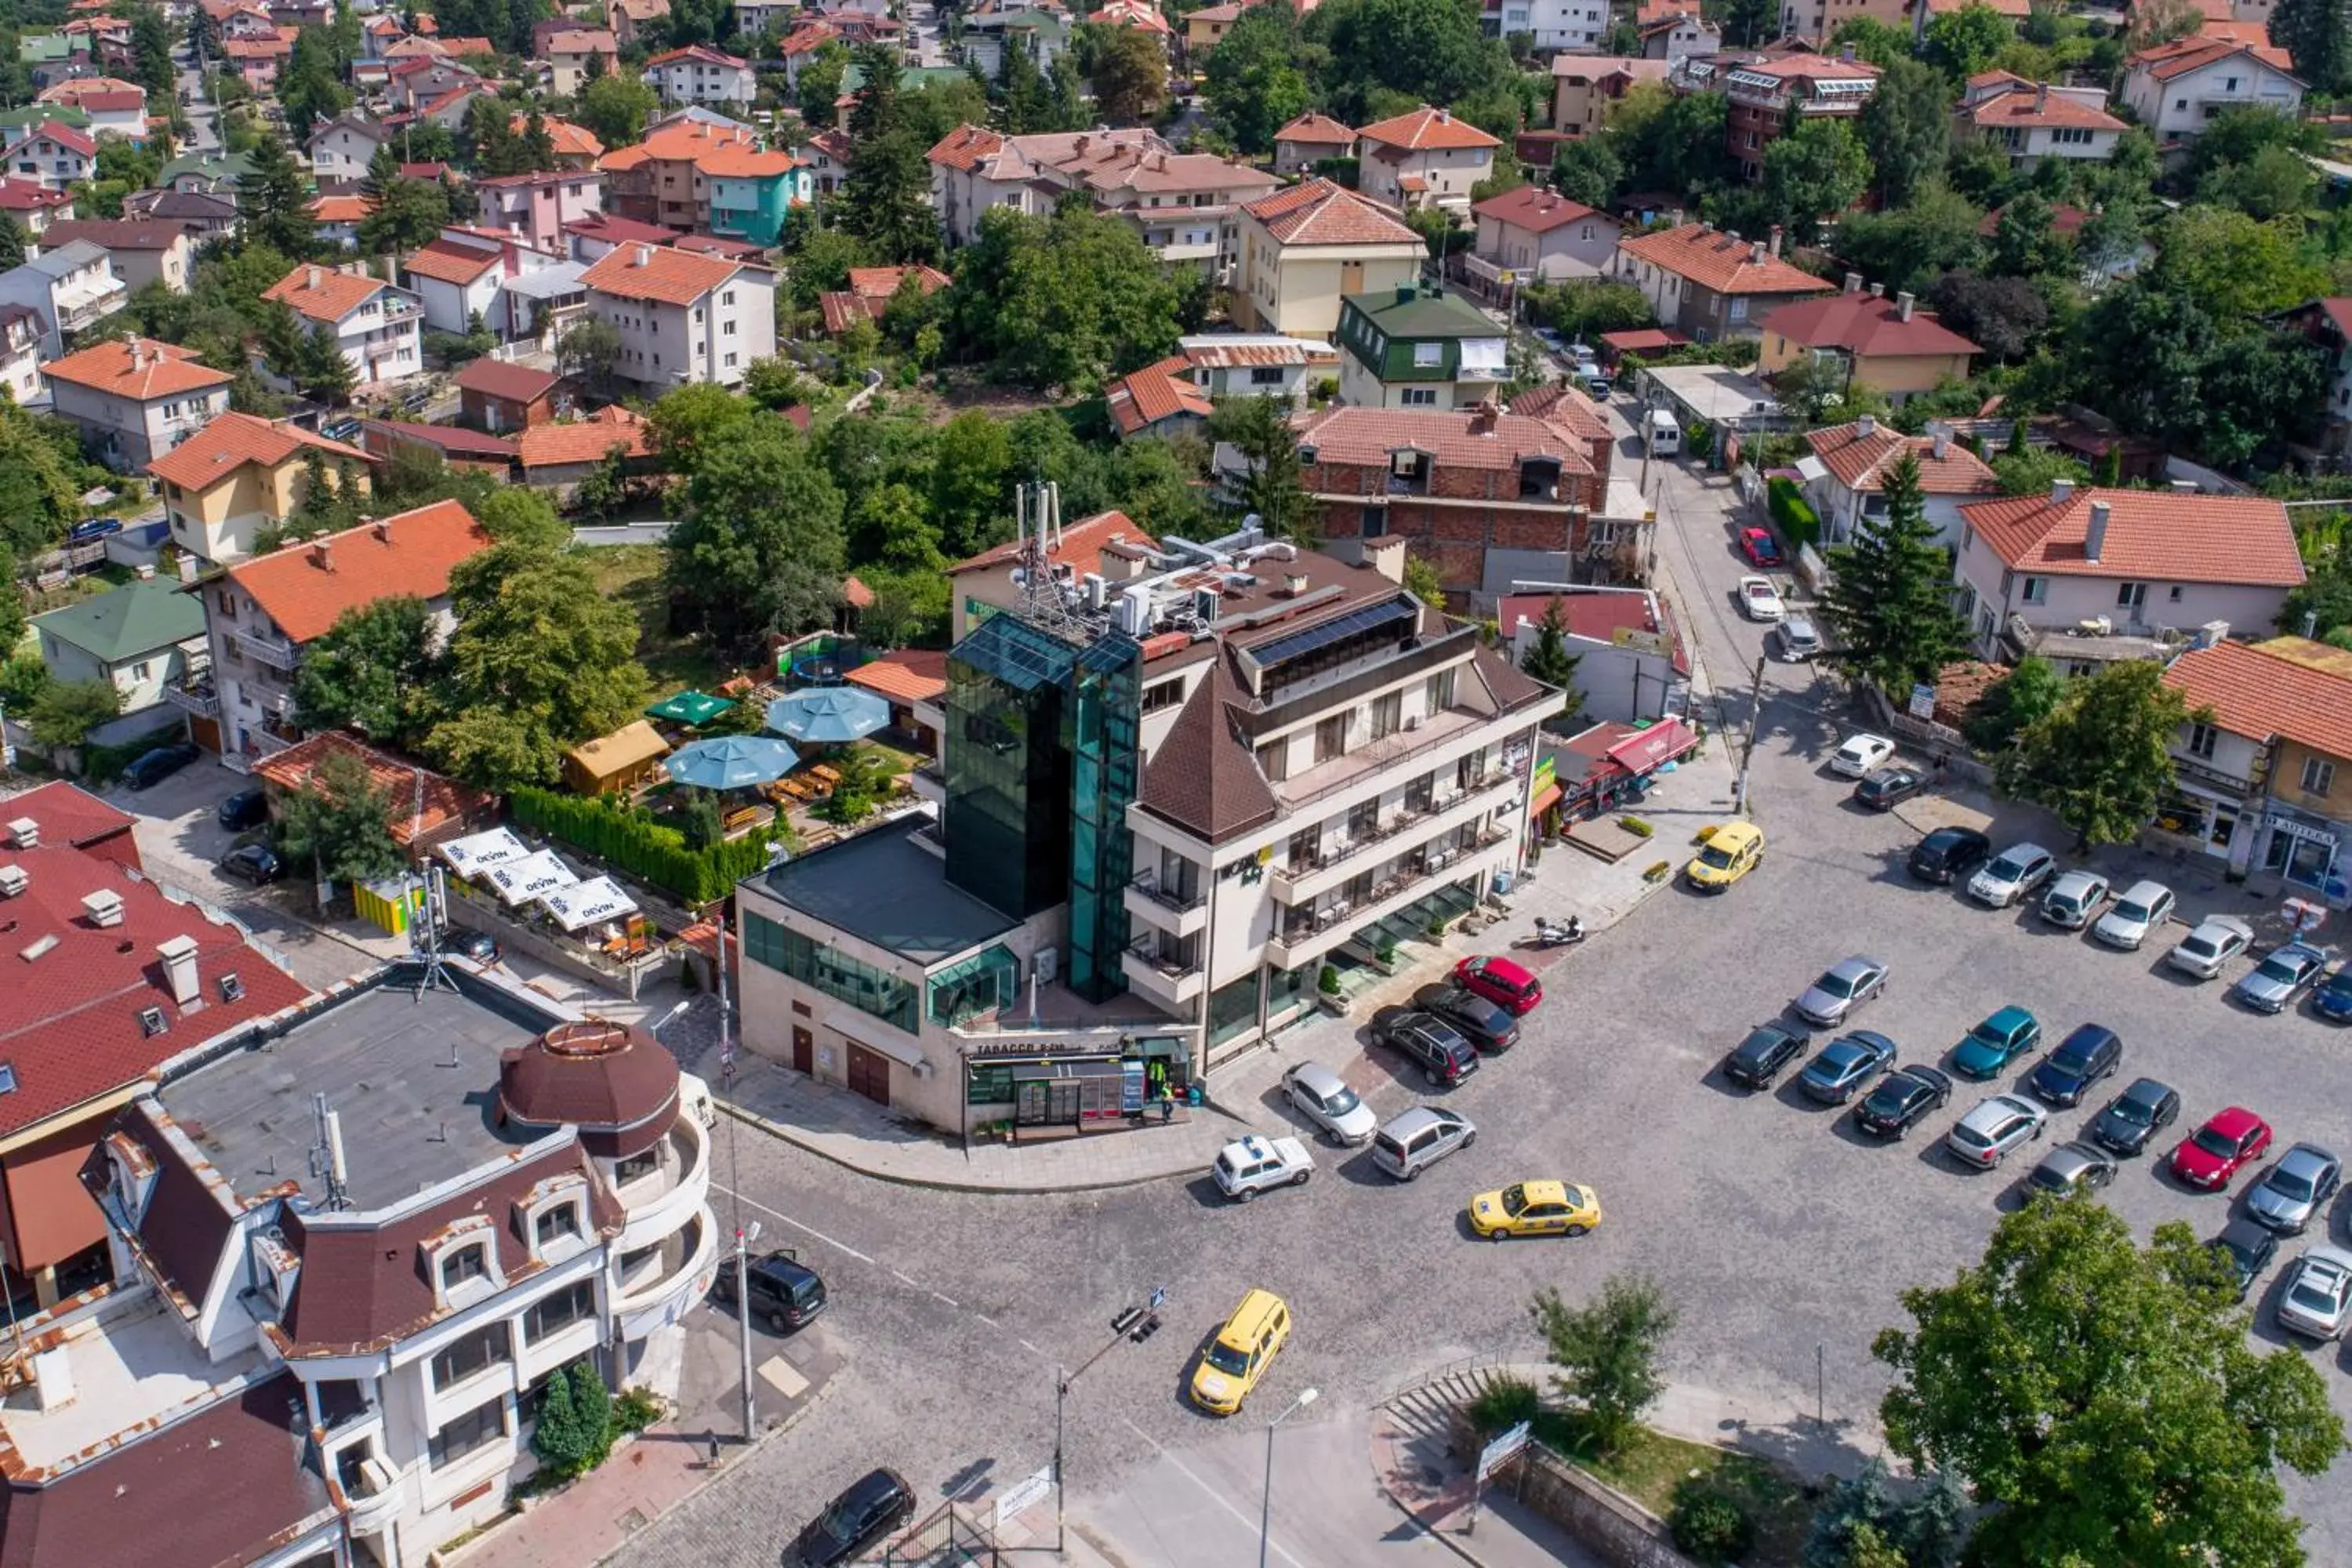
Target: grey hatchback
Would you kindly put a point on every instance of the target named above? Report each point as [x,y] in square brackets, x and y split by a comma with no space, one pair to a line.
[1418,1139]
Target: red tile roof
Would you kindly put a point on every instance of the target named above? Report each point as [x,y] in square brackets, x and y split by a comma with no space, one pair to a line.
[64,136]
[445,801]
[138,368]
[963,147]
[1425,128]
[2264,690]
[1860,462]
[1316,130]
[1534,209]
[742,162]
[1721,262]
[569,141]
[2153,535]
[1080,547]
[584,441]
[881,282]
[495,377]
[2166,61]
[699,52]
[1318,212]
[2034,105]
[1867,325]
[339,209]
[305,587]
[231,441]
[113,234]
[1157,391]
[907,675]
[1450,436]
[322,293]
[657,272]
[18,194]
[446,261]
[63,813]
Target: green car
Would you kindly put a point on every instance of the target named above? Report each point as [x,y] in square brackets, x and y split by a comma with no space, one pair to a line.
[1998,1041]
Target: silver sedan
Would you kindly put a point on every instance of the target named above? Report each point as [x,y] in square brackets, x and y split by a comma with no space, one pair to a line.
[2318,1294]
[2297,1188]
[1842,988]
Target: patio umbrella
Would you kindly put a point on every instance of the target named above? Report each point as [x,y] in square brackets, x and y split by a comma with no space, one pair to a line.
[733,762]
[693,709]
[831,715]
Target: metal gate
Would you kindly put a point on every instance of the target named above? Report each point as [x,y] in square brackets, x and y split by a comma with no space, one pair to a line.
[950,1538]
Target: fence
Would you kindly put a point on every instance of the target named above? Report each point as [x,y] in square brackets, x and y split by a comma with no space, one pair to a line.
[948,1538]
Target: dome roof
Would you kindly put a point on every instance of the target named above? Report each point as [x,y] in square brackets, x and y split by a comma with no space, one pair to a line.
[616,1083]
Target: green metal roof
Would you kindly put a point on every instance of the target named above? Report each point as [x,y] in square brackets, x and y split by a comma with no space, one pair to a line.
[1426,316]
[128,622]
[695,708]
[218,166]
[34,114]
[38,48]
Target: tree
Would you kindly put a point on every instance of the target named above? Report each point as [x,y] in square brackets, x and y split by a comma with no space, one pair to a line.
[2313,33]
[408,212]
[1905,126]
[524,517]
[1891,591]
[972,485]
[310,88]
[341,822]
[66,711]
[1129,76]
[1908,248]
[615,108]
[2025,241]
[1588,170]
[885,192]
[589,350]
[1419,51]
[1548,660]
[1964,42]
[151,52]
[761,545]
[2003,316]
[1671,142]
[1748,23]
[1271,487]
[1816,173]
[323,371]
[820,81]
[1422,582]
[2101,759]
[1861,1524]
[2160,365]
[574,1430]
[13,242]
[274,201]
[373,671]
[2231,265]
[2101,1400]
[1067,302]
[2025,696]
[1253,84]
[1880,43]
[1607,1353]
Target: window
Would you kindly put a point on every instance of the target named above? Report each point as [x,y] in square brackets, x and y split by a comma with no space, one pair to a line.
[2202,740]
[2131,596]
[1419,397]
[1265,375]
[1330,737]
[1388,715]
[461,1359]
[2037,590]
[728,297]
[2175,593]
[473,1431]
[1274,759]
[1428,355]
[465,1263]
[560,1311]
[1163,694]
[2318,776]
[631,1167]
[727,329]
[556,1220]
[1439,695]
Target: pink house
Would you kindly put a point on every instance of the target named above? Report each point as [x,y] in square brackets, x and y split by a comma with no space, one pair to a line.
[535,208]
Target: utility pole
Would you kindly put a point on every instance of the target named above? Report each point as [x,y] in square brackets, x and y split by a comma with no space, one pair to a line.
[742,1243]
[1748,751]
[1265,1503]
[1061,1492]
[1649,435]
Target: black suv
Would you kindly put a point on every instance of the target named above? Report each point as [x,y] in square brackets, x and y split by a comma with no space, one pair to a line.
[154,767]
[785,1294]
[1445,1057]
[1484,1023]
[870,1509]
[1949,854]
[1768,1048]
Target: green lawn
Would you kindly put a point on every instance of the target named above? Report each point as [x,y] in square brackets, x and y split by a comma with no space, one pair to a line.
[1654,1465]
[632,574]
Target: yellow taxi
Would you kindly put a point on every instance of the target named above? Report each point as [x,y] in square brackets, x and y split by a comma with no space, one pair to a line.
[1535,1208]
[1237,1358]
[1730,852]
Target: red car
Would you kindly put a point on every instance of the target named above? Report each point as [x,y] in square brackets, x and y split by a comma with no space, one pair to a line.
[1760,547]
[1501,981]
[2218,1150]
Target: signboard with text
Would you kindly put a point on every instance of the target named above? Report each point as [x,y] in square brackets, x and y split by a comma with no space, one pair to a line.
[1022,1496]
[1497,1454]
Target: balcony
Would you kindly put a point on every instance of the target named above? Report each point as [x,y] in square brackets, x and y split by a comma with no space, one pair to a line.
[660,1294]
[1301,882]
[1171,982]
[375,1490]
[1301,935]
[84,308]
[275,652]
[667,1199]
[195,696]
[397,309]
[1179,914]
[2205,774]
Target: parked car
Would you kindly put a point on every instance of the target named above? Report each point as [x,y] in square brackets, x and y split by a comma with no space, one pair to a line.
[1948,854]
[2229,1141]
[2071,1169]
[1535,1208]
[2284,973]
[1888,788]
[154,767]
[1902,1098]
[786,1294]
[1995,1042]
[245,808]
[1444,1058]
[1758,600]
[1760,548]
[479,945]
[2074,900]
[1845,1064]
[872,1507]
[2089,1053]
[1324,1098]
[2296,1190]
[91,530]
[1484,1023]
[1417,1139]
[1757,1060]
[2135,1116]
[1249,1165]
[255,863]
[1984,1137]
[1843,986]
[2216,940]
[1860,754]
[2012,875]
[1501,981]
[2143,909]
[1732,850]
[2318,1294]
[1800,639]
[2333,1000]
[2246,1249]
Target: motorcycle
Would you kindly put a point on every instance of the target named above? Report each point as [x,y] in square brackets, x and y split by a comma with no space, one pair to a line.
[1554,934]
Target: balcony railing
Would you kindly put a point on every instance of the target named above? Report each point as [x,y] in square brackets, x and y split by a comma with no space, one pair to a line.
[196,697]
[1300,922]
[1146,953]
[276,652]
[1147,884]
[1404,818]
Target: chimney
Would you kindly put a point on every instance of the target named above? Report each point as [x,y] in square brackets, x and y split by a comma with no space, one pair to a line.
[2060,491]
[1903,304]
[2096,540]
[1776,239]
[104,908]
[643,257]
[1853,282]
[1294,584]
[1866,426]
[179,956]
[1878,290]
[146,571]
[317,278]
[25,832]
[1756,254]
[1943,435]
[383,528]
[2041,98]
[1446,117]
[321,556]
[1483,417]
[14,881]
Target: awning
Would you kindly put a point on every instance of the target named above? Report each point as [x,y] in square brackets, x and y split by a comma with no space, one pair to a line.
[1661,744]
[584,904]
[477,852]
[860,1030]
[520,881]
[1544,802]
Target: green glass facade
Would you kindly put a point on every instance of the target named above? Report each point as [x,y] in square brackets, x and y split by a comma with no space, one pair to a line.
[1008,766]
[1105,761]
[845,979]
[987,982]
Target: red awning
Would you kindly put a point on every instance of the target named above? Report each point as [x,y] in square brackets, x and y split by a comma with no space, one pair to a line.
[1661,744]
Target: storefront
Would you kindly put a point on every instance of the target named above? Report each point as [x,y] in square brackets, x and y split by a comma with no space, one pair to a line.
[2204,820]
[1091,1088]
[2303,852]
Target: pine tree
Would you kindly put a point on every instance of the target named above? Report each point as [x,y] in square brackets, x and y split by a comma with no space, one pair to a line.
[1548,660]
[275,199]
[538,143]
[323,372]
[13,242]
[1891,591]
[885,197]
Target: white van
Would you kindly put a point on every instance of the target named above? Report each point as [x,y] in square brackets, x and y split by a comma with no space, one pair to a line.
[1665,436]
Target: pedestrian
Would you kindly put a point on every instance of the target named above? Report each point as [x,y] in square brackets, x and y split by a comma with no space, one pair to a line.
[1167,1105]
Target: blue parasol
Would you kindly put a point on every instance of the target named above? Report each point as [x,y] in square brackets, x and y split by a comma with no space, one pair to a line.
[831,715]
[732,762]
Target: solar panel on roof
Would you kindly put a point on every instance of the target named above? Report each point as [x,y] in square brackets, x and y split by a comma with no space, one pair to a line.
[1282,650]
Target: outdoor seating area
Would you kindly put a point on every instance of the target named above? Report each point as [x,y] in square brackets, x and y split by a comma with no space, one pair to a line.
[537,892]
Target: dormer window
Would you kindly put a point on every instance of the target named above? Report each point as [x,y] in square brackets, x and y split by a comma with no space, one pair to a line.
[468,1262]
[555,1221]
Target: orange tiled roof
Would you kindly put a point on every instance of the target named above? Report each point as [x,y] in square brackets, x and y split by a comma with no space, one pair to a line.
[2195,52]
[322,293]
[1860,462]
[340,209]
[881,282]
[1318,212]
[1426,127]
[2152,535]
[1718,260]
[446,261]
[569,141]
[231,441]
[1317,130]
[2275,688]
[2035,105]
[963,148]
[742,162]
[1080,547]
[137,368]
[305,587]
[1157,391]
[585,441]
[445,800]
[1452,436]
[657,272]
[907,675]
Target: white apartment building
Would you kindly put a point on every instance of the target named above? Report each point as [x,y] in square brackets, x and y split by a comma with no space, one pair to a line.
[2175,88]
[70,287]
[683,316]
[135,398]
[1557,23]
[2033,120]
[463,273]
[20,354]
[376,324]
[341,148]
[699,74]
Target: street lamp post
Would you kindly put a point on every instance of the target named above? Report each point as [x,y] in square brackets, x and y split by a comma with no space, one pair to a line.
[1266,1507]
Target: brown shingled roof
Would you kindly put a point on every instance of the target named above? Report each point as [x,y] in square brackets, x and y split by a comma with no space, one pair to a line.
[1204,778]
[1318,212]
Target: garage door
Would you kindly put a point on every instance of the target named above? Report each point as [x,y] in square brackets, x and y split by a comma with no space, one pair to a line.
[870,1074]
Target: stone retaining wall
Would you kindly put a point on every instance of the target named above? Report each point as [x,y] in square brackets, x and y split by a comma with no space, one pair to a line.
[1619,1530]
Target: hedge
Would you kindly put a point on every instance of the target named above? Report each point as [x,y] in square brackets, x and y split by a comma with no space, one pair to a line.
[1795,515]
[639,846]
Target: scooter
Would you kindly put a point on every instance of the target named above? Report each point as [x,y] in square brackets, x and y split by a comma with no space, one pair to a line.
[1554,934]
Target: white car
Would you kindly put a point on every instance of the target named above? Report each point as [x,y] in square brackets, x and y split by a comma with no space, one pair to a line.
[2011,874]
[2075,899]
[2215,941]
[1861,755]
[1250,1166]
[1984,1137]
[1758,600]
[2318,1294]
[2144,908]
[1324,1098]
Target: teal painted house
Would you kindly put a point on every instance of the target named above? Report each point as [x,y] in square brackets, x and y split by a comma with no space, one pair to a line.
[751,191]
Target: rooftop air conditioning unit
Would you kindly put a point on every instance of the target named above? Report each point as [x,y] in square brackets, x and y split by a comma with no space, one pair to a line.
[13,881]
[151,1022]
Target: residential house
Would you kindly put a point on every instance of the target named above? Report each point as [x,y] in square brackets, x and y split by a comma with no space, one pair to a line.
[1810,21]
[337,219]
[974,169]
[751,191]
[2329,324]
[1175,394]
[539,304]
[20,356]
[575,146]
[135,399]
[2256,771]
[699,74]
[2035,121]
[424,86]
[1160,399]
[1632,666]
[1551,24]
[1418,347]
[500,396]
[2136,562]
[239,475]
[1711,285]
[1845,476]
[682,317]
[798,48]
[660,180]
[53,154]
[557,455]
[142,639]
[1185,204]
[534,207]
[2016,12]
[630,18]
[1424,159]
[202,217]
[1308,141]
[375,323]
[1890,345]
[1541,234]
[2174,88]
[1039,29]
[1678,34]
[568,51]
[257,61]
[827,157]
[591,239]
[1276,817]
[343,147]
[141,250]
[212,173]
[1140,14]
[1306,249]
[1584,86]
[469,451]
[111,106]
[1768,93]
[461,275]
[34,205]
[870,292]
[71,287]
[1206,26]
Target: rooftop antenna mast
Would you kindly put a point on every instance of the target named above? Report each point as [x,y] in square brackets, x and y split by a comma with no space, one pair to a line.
[327,1155]
[424,929]
[1037,524]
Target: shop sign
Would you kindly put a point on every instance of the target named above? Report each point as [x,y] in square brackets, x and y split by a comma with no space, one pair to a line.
[2303,830]
[1024,1495]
